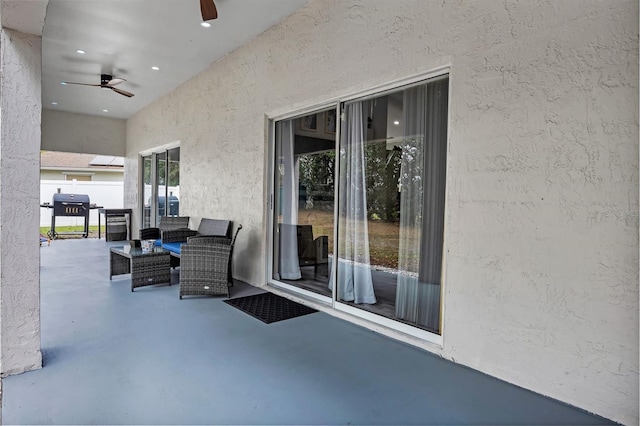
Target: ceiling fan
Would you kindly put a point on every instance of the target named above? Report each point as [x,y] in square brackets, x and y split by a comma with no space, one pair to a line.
[106,82]
[208,9]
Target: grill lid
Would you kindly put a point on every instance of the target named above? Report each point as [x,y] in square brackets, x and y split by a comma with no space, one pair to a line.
[70,198]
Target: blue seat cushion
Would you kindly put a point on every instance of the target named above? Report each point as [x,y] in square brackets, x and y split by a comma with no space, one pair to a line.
[172,247]
[158,243]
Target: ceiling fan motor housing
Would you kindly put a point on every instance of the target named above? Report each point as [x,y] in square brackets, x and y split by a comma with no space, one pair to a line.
[105,79]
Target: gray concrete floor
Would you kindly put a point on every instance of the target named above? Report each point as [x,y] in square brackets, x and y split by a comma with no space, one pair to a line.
[116,357]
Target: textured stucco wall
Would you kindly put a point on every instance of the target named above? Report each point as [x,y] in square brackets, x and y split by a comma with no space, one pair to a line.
[20,104]
[541,284]
[83,133]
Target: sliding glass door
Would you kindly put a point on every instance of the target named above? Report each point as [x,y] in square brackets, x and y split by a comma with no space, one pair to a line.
[160,186]
[389,205]
[147,190]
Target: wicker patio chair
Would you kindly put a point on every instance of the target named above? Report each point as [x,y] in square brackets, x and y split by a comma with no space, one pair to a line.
[202,272]
[312,251]
[167,223]
[204,266]
[173,239]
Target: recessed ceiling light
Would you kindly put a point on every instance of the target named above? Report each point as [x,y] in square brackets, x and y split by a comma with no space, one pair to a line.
[54,103]
[105,110]
[155,68]
[80,51]
[397,123]
[64,83]
[205,24]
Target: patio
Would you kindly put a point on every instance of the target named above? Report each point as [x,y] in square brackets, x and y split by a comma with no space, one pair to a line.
[116,357]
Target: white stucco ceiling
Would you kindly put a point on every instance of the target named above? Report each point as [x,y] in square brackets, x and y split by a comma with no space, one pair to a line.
[125,38]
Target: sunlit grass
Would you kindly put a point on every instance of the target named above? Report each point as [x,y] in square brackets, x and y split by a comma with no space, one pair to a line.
[384,237]
[93,231]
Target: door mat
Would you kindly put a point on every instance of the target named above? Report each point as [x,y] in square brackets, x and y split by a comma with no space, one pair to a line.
[269,307]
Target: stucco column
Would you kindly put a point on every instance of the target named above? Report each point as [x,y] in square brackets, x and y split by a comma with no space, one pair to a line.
[20,111]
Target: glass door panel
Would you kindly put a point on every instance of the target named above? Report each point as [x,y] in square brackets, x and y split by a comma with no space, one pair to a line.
[303,210]
[147,196]
[161,186]
[173,188]
[391,204]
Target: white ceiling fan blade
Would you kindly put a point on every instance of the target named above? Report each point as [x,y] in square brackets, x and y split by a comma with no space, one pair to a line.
[115,81]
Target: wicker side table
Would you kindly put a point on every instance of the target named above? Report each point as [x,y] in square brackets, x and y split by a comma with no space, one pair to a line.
[146,268]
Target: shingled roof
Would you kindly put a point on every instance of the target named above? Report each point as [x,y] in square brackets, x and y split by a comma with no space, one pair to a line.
[68,160]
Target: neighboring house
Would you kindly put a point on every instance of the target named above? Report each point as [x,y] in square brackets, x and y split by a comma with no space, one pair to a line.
[537,103]
[81,167]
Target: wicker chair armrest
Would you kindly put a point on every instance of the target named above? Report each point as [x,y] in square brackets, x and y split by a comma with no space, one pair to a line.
[177,235]
[150,234]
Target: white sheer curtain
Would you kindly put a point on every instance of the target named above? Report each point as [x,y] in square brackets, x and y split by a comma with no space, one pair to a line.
[422,197]
[288,170]
[355,283]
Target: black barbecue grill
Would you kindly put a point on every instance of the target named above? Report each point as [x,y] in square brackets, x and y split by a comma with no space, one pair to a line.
[69,205]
